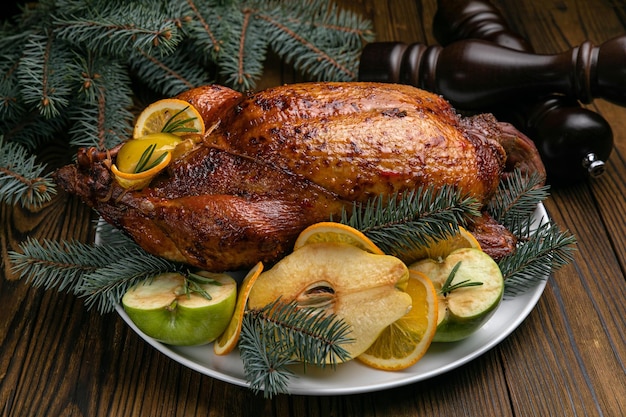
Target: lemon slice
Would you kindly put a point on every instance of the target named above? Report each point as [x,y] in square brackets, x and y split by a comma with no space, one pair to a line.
[404,342]
[338,233]
[135,150]
[169,115]
[141,179]
[227,341]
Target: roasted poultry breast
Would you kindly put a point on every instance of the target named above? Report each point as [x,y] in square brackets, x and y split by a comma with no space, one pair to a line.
[273,162]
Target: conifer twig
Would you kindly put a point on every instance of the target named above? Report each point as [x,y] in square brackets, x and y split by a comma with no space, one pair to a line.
[21,179]
[281,334]
[398,224]
[543,251]
[87,271]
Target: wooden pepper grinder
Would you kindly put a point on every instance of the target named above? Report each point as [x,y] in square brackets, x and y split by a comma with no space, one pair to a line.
[573,141]
[474,74]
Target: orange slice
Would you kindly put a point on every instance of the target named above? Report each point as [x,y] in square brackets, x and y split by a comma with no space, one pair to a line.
[438,250]
[338,233]
[228,340]
[405,341]
[169,115]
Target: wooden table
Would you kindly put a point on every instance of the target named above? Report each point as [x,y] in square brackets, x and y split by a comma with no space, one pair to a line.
[567,358]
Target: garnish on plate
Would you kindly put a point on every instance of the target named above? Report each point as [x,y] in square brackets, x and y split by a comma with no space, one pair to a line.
[87,270]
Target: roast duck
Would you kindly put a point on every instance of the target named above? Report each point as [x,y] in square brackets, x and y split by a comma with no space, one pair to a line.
[273,162]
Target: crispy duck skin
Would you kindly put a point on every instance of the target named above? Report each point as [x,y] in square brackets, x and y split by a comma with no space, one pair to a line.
[274,162]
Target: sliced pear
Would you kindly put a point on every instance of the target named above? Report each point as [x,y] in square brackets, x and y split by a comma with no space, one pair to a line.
[162,309]
[464,310]
[361,288]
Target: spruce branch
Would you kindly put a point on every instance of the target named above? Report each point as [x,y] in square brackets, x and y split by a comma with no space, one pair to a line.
[115,28]
[542,247]
[322,41]
[266,367]
[61,265]
[401,223]
[87,271]
[21,178]
[542,252]
[104,287]
[517,198]
[99,114]
[281,334]
[241,60]
[43,86]
[171,74]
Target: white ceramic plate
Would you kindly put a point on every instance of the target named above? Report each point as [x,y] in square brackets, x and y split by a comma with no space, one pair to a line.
[354,377]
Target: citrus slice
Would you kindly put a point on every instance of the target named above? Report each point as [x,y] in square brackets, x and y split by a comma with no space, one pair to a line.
[405,341]
[227,341]
[136,155]
[439,249]
[136,181]
[169,115]
[338,233]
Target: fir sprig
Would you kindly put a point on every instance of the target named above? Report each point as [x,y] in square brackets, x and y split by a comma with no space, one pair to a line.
[400,223]
[115,27]
[517,198]
[66,65]
[543,250]
[104,287]
[542,247]
[99,273]
[281,334]
[22,179]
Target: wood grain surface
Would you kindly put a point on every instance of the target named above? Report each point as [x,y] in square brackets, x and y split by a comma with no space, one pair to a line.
[568,358]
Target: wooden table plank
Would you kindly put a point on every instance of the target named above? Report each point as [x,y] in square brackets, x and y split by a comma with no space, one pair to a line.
[567,357]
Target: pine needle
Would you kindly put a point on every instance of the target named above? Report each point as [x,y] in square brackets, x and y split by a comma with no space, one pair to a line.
[400,223]
[282,334]
[516,199]
[21,178]
[542,252]
[86,271]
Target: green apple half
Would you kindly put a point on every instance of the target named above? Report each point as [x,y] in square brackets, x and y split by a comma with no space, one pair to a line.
[162,308]
[464,310]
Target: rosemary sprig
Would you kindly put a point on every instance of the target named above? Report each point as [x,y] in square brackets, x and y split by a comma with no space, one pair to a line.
[175,126]
[448,287]
[144,163]
[282,334]
[193,284]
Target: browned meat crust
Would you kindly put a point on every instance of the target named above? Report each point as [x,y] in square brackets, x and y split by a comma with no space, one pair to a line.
[276,161]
